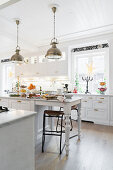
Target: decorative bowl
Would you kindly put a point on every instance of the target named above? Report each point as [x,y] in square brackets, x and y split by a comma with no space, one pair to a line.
[68,95]
[102,83]
[102,89]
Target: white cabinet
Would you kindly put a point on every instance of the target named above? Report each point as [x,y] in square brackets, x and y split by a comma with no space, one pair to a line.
[4,102]
[111,110]
[21,104]
[26,70]
[83,113]
[95,108]
[56,68]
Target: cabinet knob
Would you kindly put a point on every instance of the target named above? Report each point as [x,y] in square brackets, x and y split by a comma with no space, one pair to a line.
[19,101]
[56,71]
[95,109]
[90,97]
[99,101]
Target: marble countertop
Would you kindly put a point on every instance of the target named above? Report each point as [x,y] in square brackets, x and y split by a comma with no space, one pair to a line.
[6,118]
[75,94]
[92,94]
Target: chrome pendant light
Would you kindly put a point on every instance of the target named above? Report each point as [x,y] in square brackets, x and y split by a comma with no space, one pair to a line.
[17,58]
[54,52]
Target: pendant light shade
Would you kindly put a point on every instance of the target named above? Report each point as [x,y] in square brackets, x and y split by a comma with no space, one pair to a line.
[17,58]
[53,52]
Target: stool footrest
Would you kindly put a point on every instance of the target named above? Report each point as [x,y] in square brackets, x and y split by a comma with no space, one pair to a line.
[53,131]
[52,134]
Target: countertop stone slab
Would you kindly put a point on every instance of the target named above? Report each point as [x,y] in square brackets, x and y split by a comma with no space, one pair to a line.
[13,115]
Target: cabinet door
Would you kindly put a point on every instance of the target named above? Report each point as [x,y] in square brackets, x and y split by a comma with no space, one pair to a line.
[14,104]
[111,111]
[4,102]
[57,68]
[86,104]
[24,105]
[19,70]
[20,104]
[83,114]
[24,70]
[98,116]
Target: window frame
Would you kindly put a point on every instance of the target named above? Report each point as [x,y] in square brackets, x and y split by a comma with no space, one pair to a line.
[96,51]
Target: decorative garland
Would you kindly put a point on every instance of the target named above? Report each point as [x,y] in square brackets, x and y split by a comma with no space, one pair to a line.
[92,47]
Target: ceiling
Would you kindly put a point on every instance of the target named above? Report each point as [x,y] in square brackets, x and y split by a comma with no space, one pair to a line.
[73,18]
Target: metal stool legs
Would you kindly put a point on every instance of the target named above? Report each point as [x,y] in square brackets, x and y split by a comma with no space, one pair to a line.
[43,135]
[52,132]
[61,135]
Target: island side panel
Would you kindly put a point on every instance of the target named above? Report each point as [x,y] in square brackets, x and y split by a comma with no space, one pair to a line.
[17,145]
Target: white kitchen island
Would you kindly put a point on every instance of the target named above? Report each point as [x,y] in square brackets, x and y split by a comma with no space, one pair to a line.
[39,105]
[17,144]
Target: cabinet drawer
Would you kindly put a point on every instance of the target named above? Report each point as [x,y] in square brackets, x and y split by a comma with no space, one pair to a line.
[3,100]
[99,114]
[89,98]
[99,98]
[100,104]
[86,104]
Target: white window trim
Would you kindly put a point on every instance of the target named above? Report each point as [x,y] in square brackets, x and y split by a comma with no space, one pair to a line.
[71,62]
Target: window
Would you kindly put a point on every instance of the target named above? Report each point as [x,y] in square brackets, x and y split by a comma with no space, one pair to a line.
[91,64]
[8,76]
[33,60]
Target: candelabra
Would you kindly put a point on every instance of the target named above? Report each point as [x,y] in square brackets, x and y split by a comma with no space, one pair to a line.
[87,79]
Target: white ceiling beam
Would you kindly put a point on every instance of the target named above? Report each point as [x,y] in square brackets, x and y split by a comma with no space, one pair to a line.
[8,3]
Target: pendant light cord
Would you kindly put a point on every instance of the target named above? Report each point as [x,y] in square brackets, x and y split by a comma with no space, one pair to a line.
[17,22]
[17,35]
[54,25]
[54,33]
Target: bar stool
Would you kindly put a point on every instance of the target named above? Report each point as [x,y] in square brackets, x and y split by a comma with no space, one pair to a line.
[52,113]
[71,123]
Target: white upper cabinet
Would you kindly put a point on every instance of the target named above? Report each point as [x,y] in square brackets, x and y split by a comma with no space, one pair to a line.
[56,68]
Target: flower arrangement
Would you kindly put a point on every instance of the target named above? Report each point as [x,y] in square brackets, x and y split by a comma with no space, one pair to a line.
[31,87]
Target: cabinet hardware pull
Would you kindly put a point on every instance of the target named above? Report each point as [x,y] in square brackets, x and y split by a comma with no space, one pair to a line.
[95,109]
[84,101]
[56,71]
[0,99]
[90,97]
[101,98]
[19,101]
[99,101]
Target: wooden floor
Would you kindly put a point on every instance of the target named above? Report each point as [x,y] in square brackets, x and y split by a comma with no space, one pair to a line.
[93,152]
